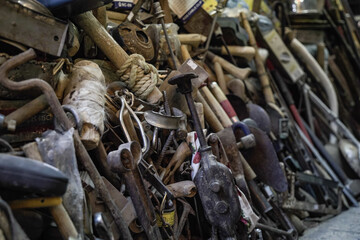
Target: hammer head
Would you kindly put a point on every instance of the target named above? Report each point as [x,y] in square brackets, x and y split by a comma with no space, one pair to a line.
[183,82]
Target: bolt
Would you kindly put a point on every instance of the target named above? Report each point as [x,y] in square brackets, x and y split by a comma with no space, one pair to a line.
[215,186]
[221,207]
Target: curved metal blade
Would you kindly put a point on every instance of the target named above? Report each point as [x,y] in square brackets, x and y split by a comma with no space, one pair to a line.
[161,121]
[260,116]
[264,161]
[254,111]
[229,142]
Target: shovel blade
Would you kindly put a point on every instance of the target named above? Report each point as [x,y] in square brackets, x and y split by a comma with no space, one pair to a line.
[264,161]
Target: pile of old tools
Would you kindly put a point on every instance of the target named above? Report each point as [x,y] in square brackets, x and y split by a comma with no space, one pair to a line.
[160,120]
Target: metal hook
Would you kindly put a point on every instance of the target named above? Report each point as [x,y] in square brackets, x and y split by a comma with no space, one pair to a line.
[132,113]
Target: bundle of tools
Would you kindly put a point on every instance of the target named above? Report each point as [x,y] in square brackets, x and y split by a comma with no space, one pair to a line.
[161,120]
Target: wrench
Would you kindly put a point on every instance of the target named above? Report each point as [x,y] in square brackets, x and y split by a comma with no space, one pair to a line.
[124,162]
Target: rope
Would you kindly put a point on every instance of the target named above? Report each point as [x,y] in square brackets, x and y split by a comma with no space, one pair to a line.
[139,76]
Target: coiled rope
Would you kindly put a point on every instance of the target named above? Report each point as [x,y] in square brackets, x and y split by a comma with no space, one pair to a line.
[139,76]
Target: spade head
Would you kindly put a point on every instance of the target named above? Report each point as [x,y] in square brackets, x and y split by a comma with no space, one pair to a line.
[263,160]
[250,110]
[260,116]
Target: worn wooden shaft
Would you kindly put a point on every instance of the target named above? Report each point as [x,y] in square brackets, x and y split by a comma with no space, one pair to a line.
[59,213]
[25,112]
[101,16]
[220,77]
[216,107]
[248,171]
[264,79]
[182,189]
[185,52]
[241,73]
[320,55]
[116,17]
[193,39]
[108,45]
[224,102]
[239,51]
[210,116]
[237,87]
[182,152]
[63,221]
[102,38]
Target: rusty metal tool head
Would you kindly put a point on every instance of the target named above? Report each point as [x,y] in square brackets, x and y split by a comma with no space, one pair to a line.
[229,142]
[263,159]
[214,181]
[250,110]
[124,161]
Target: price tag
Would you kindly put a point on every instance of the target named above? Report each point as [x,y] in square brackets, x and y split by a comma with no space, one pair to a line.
[123,4]
[185,9]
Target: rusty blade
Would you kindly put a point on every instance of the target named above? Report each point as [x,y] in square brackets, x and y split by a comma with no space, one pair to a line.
[250,110]
[264,161]
[229,142]
[260,116]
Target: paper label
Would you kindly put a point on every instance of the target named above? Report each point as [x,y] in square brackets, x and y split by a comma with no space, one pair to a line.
[192,64]
[123,4]
[185,9]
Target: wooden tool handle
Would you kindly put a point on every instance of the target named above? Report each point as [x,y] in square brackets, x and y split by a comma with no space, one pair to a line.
[224,102]
[237,87]
[63,221]
[239,51]
[248,171]
[241,73]
[210,116]
[220,77]
[193,39]
[264,79]
[102,38]
[182,152]
[320,54]
[59,213]
[25,112]
[216,107]
[185,52]
[108,45]
[182,189]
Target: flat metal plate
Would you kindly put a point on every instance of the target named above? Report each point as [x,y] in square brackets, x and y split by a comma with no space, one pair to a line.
[162,121]
[32,29]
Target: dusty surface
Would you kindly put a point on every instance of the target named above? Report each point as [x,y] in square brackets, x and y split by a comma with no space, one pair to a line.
[345,226]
